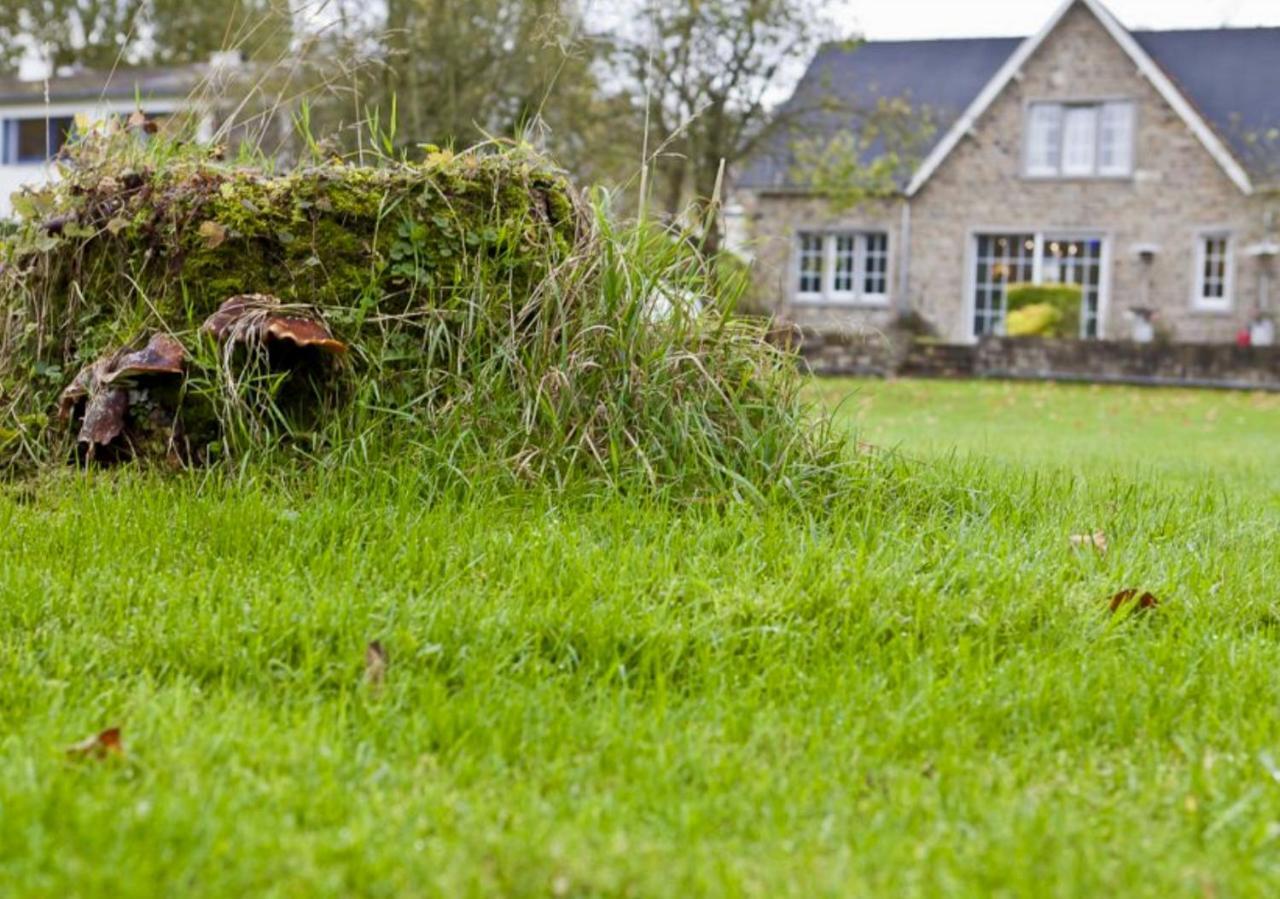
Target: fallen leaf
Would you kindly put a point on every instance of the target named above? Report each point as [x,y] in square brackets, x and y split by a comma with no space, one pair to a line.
[375,663]
[1145,600]
[1097,540]
[213,233]
[98,745]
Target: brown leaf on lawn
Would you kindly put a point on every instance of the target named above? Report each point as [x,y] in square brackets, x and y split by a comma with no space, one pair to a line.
[213,233]
[1097,540]
[375,663]
[98,746]
[1144,600]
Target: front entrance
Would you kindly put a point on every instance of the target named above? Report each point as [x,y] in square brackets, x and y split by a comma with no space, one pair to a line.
[1038,258]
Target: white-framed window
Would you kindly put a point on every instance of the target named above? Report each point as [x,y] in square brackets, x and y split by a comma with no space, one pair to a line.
[842,267]
[1080,140]
[34,139]
[1214,271]
[812,264]
[1012,257]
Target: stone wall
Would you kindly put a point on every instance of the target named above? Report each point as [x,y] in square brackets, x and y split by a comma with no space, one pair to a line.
[1029,358]
[1122,362]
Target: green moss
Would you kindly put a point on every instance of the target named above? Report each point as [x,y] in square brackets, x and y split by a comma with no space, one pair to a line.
[493,324]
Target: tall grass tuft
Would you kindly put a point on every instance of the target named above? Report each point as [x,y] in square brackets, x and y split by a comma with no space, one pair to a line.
[501,325]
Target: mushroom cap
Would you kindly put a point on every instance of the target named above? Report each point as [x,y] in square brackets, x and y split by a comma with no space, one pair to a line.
[104,416]
[234,311]
[76,391]
[304,332]
[163,355]
[254,316]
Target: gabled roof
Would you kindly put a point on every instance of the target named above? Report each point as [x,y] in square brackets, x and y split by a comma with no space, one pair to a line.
[1219,81]
[1146,65]
[122,84]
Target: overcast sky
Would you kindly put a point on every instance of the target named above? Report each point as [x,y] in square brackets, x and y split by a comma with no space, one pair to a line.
[884,19]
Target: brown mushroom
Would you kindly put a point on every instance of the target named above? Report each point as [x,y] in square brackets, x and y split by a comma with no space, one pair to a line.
[256,317]
[77,391]
[103,388]
[104,417]
[163,355]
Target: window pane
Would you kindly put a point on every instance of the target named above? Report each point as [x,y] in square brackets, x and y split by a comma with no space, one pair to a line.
[35,140]
[843,278]
[1001,259]
[1115,140]
[1044,139]
[1214,270]
[1079,140]
[32,138]
[876,264]
[811,263]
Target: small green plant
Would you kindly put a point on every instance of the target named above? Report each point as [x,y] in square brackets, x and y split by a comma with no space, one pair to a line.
[1043,310]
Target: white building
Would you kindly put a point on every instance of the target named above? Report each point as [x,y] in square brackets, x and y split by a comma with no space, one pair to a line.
[38,116]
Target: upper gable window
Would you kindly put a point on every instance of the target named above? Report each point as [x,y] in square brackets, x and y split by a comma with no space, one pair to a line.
[1080,140]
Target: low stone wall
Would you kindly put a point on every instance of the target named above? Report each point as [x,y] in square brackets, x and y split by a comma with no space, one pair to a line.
[1122,362]
[1029,358]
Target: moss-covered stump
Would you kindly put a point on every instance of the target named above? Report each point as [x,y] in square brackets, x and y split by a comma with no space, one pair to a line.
[493,320]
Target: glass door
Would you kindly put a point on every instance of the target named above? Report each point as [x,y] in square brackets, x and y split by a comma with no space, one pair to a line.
[1075,260]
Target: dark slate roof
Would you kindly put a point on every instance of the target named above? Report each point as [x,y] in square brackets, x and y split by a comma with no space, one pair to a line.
[122,84]
[1228,74]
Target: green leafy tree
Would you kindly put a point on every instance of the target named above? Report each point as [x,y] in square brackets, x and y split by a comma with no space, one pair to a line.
[92,33]
[102,34]
[186,31]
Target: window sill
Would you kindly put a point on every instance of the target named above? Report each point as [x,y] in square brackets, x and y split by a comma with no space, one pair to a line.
[1211,311]
[1078,179]
[840,302]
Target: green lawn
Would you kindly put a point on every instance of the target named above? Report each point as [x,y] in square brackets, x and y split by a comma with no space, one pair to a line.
[914,691]
[1169,435]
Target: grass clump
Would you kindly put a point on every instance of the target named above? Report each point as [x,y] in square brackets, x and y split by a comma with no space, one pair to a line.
[500,325]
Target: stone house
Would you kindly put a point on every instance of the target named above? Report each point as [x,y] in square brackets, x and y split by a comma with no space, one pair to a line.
[1139,165]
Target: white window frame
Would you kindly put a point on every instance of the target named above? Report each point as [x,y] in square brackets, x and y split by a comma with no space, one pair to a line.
[1031,168]
[1040,236]
[1199,301]
[829,295]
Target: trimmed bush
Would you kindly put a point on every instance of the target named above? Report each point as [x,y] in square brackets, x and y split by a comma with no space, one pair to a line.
[498,324]
[1060,316]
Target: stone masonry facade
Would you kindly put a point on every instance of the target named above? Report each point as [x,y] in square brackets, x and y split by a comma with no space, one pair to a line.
[1177,192]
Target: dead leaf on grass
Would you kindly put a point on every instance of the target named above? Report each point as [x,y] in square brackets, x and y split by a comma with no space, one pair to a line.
[375,663]
[98,745]
[1097,540]
[1144,600]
